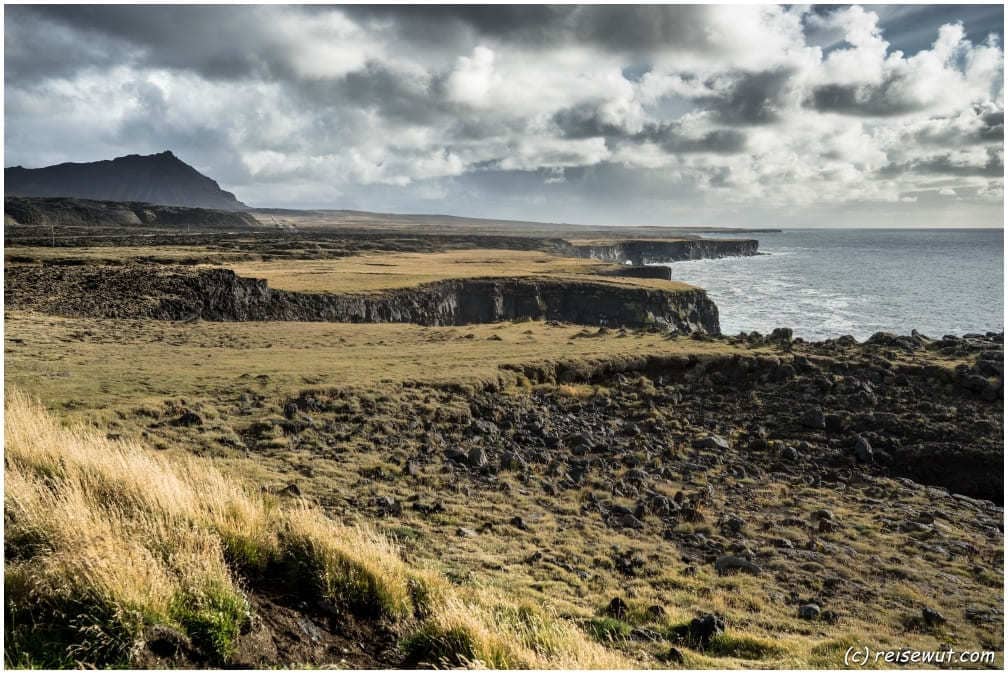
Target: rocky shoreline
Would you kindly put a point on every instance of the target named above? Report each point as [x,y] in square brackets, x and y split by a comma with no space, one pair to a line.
[649,251]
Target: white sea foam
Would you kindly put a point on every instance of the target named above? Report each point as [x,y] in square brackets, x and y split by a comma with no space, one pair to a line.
[826,283]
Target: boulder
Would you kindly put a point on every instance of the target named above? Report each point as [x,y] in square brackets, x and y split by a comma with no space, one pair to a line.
[617,608]
[814,419]
[703,629]
[863,450]
[728,563]
[712,442]
[809,611]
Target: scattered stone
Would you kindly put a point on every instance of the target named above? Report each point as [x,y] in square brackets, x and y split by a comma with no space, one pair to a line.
[785,335]
[476,457]
[712,442]
[165,641]
[673,656]
[519,523]
[463,532]
[863,450]
[814,419]
[809,611]
[822,514]
[932,618]
[655,612]
[703,629]
[189,418]
[644,634]
[727,563]
[617,608]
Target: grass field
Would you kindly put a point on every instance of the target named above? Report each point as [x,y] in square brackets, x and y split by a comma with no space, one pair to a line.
[85,364]
[131,378]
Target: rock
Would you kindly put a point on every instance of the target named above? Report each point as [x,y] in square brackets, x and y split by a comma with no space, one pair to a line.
[703,629]
[387,505]
[863,450]
[512,461]
[655,612]
[291,490]
[734,524]
[629,521]
[814,419]
[165,641]
[809,611]
[644,634]
[974,383]
[456,455]
[628,563]
[189,418]
[519,523]
[476,457]
[835,423]
[673,656]
[785,335]
[463,532]
[712,442]
[829,617]
[617,608]
[790,454]
[483,427]
[290,410]
[932,618]
[727,563]
[822,514]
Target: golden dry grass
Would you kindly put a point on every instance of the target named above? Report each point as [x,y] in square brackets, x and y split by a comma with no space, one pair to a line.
[105,539]
[382,271]
[87,364]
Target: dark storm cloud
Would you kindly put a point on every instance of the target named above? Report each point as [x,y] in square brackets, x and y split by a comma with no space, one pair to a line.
[36,47]
[216,41]
[614,27]
[585,122]
[395,95]
[670,137]
[883,100]
[948,165]
[750,98]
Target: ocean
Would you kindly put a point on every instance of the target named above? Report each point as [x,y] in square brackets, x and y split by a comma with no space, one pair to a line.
[826,283]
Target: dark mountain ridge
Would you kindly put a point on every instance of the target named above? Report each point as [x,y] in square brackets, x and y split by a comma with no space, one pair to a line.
[155,179]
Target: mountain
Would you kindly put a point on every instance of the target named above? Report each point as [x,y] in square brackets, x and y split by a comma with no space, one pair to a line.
[155,179]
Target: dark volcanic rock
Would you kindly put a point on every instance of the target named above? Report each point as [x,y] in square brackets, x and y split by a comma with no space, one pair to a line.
[179,293]
[644,252]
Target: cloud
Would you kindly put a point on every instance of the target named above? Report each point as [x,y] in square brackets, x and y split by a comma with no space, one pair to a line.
[595,113]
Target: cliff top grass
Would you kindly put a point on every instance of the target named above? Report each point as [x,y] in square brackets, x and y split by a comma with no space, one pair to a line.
[82,365]
[383,271]
[370,272]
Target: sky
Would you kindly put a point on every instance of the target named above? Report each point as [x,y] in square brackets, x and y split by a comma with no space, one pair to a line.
[740,116]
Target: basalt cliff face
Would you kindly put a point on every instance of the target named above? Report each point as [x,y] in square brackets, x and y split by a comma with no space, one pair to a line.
[178,293]
[641,252]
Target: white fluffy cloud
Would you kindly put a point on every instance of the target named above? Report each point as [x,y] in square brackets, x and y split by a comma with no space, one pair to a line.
[705,107]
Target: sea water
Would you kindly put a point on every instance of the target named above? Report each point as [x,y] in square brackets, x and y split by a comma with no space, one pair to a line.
[830,282]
